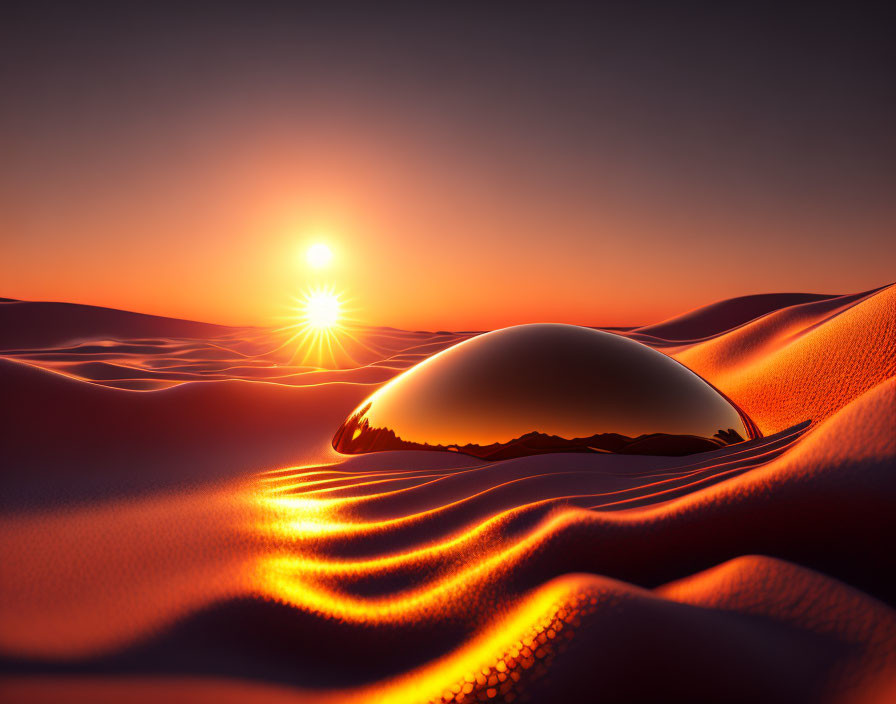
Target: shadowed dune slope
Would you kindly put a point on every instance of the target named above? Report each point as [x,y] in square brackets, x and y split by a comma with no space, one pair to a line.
[72,441]
[36,324]
[724,315]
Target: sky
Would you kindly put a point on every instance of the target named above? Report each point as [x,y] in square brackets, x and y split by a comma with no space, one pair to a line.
[470,165]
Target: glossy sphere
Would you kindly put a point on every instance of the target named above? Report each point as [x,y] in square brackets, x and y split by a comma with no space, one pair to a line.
[540,388]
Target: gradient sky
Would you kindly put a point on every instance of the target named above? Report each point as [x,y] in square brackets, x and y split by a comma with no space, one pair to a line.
[471,165]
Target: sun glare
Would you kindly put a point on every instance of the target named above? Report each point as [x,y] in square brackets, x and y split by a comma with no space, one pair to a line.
[319,255]
[322,310]
[320,330]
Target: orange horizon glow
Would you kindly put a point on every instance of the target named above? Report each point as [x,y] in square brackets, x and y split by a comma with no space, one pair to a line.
[268,314]
[459,248]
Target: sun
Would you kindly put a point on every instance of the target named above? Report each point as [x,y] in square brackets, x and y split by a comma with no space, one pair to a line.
[316,328]
[319,255]
[321,310]
[320,330]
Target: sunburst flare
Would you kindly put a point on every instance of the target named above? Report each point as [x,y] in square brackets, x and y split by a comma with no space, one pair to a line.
[322,310]
[319,326]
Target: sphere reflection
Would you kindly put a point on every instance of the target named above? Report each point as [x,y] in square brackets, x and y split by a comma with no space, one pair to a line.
[540,388]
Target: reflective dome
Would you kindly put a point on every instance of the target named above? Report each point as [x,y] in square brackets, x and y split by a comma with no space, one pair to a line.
[540,388]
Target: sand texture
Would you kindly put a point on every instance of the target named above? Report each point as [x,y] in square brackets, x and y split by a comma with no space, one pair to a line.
[175,525]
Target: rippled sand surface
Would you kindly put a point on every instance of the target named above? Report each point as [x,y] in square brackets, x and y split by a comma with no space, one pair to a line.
[175,525]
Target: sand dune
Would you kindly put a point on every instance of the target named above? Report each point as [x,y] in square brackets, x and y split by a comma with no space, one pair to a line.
[25,324]
[723,316]
[196,538]
[803,362]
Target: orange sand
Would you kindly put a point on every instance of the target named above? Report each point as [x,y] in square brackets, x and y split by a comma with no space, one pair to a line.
[175,525]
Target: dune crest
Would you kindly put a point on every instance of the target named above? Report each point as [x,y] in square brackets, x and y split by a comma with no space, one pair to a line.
[803,362]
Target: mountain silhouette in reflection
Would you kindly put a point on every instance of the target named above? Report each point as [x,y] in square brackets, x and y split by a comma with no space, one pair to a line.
[356,436]
[552,388]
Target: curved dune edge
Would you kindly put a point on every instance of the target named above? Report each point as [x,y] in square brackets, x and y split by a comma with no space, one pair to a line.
[805,363]
[558,626]
[723,316]
[755,573]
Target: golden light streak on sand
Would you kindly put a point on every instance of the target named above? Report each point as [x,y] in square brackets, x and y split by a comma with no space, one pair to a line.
[285,576]
[512,648]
